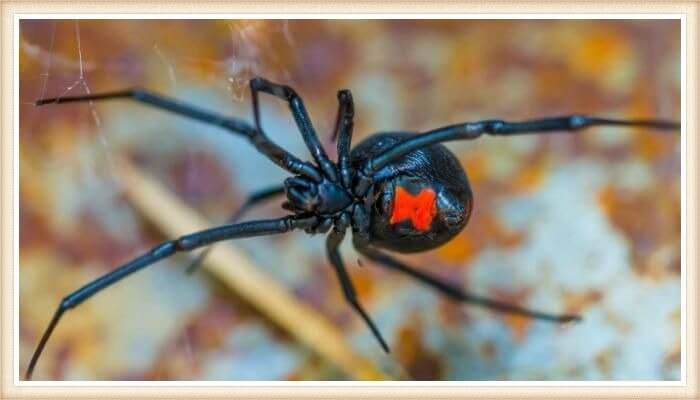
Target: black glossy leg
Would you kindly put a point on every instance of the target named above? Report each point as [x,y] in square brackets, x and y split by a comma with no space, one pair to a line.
[332,244]
[301,117]
[272,151]
[472,130]
[253,200]
[343,132]
[360,225]
[458,294]
[162,251]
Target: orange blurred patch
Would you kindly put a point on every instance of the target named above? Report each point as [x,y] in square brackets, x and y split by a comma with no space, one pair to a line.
[518,324]
[61,142]
[641,103]
[204,68]
[363,281]
[598,53]
[549,80]
[475,167]
[650,146]
[27,63]
[577,302]
[647,144]
[658,224]
[529,177]
[457,250]
[462,65]
[408,343]
[606,200]
[411,352]
[33,194]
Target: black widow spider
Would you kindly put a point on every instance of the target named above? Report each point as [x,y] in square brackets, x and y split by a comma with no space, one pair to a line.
[397,191]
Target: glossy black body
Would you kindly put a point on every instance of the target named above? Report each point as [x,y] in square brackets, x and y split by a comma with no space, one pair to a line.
[433,167]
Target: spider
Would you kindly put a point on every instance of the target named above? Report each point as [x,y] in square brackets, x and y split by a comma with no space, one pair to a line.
[400,192]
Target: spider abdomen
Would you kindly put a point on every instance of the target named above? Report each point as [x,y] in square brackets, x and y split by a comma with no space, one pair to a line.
[422,200]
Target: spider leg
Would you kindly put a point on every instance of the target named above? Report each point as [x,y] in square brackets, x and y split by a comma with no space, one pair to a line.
[253,200]
[456,293]
[343,132]
[332,245]
[162,251]
[261,142]
[472,130]
[301,117]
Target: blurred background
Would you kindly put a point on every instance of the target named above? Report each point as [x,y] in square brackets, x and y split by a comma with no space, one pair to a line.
[585,224]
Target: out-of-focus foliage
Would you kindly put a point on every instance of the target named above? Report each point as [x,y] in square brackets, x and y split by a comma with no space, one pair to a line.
[585,223]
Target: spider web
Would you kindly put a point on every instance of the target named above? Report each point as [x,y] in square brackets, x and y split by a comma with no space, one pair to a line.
[234,71]
[73,70]
[243,53]
[73,63]
[47,58]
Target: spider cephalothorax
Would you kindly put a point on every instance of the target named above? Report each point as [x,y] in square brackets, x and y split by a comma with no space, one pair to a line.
[397,191]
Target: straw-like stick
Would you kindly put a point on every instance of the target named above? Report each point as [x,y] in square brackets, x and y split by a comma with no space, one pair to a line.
[236,270]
